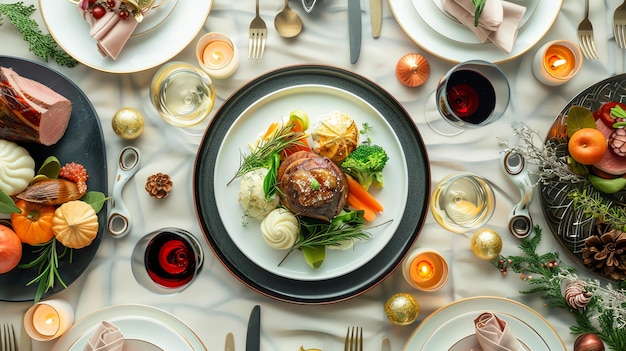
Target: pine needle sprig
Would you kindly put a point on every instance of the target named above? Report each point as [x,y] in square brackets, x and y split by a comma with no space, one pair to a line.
[42,45]
[604,315]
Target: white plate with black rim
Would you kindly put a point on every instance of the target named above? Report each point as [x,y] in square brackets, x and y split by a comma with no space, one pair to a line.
[316,90]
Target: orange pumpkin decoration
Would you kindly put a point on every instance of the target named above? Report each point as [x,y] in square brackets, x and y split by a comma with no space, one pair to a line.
[34,224]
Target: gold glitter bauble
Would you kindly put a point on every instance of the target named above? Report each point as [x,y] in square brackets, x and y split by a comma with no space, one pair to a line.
[128,123]
[486,244]
[402,309]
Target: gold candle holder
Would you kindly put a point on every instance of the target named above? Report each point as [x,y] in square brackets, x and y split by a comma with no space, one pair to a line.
[426,270]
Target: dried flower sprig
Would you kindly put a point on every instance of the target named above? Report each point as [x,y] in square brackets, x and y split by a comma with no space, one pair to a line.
[605,313]
[549,160]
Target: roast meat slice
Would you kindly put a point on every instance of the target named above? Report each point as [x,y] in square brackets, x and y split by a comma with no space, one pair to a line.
[312,185]
[31,111]
[610,162]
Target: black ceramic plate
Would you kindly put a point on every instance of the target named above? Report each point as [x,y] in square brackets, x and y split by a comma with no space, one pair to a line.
[82,143]
[569,225]
[273,88]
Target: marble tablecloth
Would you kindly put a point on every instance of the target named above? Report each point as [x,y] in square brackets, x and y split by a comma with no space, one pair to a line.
[218,303]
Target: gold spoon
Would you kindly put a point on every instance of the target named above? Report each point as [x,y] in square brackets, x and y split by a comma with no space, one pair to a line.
[287,22]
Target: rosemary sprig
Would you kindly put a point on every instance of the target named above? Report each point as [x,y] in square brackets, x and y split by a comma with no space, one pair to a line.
[48,262]
[595,205]
[604,315]
[42,45]
[347,226]
[480,5]
[260,157]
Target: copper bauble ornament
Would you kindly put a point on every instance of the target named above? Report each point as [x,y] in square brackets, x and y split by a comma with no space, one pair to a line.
[128,123]
[412,70]
[486,244]
[402,309]
[588,342]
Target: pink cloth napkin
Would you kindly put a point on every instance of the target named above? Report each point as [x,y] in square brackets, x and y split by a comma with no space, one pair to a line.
[494,334]
[110,31]
[498,22]
[107,337]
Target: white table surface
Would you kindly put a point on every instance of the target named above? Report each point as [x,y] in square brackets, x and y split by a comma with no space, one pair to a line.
[217,303]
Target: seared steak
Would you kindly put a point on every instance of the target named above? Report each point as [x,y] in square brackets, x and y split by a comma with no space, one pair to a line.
[312,185]
[31,111]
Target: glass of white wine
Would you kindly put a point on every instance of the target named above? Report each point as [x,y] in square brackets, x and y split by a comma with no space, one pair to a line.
[182,94]
[462,202]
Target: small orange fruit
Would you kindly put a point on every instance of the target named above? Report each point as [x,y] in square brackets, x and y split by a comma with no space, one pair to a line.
[587,146]
[10,249]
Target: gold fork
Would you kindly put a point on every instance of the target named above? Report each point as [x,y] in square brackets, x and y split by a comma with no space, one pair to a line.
[585,36]
[354,339]
[619,25]
[258,34]
[8,341]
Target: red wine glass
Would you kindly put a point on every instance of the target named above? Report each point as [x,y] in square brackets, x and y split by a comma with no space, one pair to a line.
[470,95]
[167,260]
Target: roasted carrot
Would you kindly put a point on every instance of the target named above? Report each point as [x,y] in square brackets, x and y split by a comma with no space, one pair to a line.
[270,130]
[368,213]
[360,193]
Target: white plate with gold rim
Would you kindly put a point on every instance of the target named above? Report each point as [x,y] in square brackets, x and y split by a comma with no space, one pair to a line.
[451,50]
[174,26]
[433,14]
[450,325]
[147,329]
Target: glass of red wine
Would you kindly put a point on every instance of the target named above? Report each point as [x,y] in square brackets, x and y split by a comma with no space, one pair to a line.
[470,95]
[167,260]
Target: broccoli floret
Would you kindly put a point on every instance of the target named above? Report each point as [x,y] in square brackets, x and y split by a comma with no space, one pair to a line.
[365,164]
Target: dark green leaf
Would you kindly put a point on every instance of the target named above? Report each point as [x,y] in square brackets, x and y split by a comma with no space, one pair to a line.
[7,205]
[50,167]
[479,5]
[96,199]
[579,117]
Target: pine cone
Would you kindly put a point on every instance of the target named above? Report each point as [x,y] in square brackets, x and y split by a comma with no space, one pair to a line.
[159,185]
[606,254]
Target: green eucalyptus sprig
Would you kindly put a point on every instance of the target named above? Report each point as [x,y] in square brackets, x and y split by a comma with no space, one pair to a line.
[604,315]
[42,45]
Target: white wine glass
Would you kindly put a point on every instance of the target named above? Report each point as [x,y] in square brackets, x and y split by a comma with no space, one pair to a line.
[462,202]
[183,95]
[167,260]
[470,95]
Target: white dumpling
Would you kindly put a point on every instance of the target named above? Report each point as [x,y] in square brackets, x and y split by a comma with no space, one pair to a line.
[17,167]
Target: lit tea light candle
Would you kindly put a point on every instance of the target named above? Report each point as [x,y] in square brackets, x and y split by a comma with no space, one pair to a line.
[425,269]
[48,320]
[557,62]
[217,55]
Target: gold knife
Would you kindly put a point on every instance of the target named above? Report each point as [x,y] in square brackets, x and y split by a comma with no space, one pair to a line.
[386,345]
[376,16]
[230,342]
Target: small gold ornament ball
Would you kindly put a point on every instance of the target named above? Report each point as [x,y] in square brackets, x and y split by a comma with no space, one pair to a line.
[486,244]
[402,309]
[128,123]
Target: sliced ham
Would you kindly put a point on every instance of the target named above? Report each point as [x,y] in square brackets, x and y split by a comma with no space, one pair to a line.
[31,111]
[610,163]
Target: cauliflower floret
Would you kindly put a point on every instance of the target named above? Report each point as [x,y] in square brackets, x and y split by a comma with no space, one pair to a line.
[252,197]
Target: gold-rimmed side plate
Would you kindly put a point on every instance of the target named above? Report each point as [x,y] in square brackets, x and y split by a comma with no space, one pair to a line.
[157,43]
